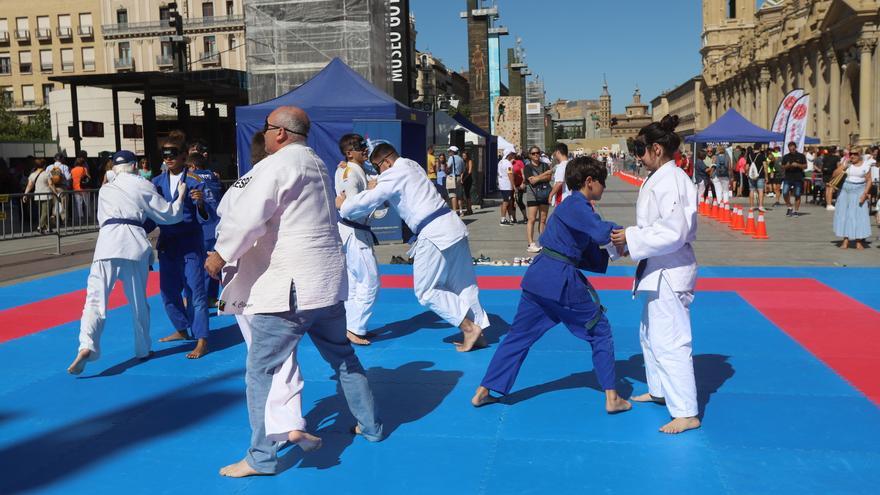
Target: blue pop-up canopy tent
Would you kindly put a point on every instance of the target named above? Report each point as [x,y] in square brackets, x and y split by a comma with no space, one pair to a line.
[734,128]
[334,99]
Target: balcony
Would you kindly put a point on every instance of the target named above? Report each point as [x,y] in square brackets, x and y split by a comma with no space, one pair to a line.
[165,61]
[67,67]
[23,35]
[87,66]
[44,34]
[123,63]
[45,67]
[65,33]
[209,58]
[162,27]
[4,36]
[86,31]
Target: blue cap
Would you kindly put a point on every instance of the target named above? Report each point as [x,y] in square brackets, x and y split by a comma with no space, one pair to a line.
[124,156]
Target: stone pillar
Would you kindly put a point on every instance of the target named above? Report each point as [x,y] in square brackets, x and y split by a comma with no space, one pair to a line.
[821,97]
[764,111]
[866,91]
[713,106]
[807,72]
[834,98]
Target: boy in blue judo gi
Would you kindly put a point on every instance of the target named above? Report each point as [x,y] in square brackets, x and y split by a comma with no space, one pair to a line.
[554,289]
[181,249]
[213,191]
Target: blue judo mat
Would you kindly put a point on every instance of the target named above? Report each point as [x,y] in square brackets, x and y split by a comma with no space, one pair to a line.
[776,419]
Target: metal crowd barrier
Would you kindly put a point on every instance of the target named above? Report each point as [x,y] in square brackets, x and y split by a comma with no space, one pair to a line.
[63,214]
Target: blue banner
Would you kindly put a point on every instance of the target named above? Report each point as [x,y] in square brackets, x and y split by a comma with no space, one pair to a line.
[494,77]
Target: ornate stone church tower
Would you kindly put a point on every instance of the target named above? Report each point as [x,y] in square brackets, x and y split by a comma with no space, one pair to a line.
[605,106]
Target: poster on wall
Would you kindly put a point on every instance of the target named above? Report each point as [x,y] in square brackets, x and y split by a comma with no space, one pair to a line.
[507,118]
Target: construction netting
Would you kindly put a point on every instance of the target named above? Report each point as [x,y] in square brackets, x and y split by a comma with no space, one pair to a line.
[289,41]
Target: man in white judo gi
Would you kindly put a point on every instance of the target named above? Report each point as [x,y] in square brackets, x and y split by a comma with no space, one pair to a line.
[357,242]
[443,272]
[123,253]
[290,281]
[661,242]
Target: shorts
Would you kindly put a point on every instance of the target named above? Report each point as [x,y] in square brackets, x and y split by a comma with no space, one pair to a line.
[796,185]
[506,195]
[756,185]
[538,203]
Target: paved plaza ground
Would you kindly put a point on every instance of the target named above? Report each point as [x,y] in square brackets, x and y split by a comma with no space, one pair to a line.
[786,348]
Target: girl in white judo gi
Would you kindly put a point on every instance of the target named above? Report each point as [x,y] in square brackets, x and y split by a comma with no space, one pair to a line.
[662,242]
[443,272]
[357,242]
[123,253]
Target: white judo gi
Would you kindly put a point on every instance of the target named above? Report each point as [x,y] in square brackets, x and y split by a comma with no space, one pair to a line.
[662,243]
[284,405]
[123,253]
[443,272]
[357,244]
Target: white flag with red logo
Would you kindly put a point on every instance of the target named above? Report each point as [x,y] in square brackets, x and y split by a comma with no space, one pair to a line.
[782,113]
[796,128]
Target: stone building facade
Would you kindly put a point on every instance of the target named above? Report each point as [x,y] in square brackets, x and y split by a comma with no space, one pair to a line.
[753,57]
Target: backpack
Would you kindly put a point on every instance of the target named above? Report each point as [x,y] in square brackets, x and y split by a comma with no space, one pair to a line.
[722,165]
[753,169]
[56,176]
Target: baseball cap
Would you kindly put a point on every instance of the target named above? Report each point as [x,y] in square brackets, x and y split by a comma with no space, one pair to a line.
[453,149]
[123,157]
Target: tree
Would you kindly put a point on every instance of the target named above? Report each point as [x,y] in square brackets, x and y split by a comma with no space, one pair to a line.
[13,129]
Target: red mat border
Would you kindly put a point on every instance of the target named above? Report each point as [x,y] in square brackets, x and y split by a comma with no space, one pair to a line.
[839,330]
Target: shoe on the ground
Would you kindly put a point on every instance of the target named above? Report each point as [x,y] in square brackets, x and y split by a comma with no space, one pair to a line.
[789,212]
[762,209]
[533,248]
[504,222]
[830,207]
[795,214]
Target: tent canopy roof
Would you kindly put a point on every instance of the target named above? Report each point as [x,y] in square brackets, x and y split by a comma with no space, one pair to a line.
[734,128]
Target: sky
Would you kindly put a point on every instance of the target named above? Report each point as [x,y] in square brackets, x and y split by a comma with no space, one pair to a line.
[570,43]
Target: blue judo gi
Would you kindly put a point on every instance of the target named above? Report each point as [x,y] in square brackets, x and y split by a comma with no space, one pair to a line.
[213,193]
[554,290]
[182,259]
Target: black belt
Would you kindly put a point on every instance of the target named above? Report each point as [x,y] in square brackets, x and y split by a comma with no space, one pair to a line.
[122,221]
[359,226]
[439,212]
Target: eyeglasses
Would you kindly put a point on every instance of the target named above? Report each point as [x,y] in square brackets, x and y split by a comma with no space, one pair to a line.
[380,162]
[534,153]
[268,127]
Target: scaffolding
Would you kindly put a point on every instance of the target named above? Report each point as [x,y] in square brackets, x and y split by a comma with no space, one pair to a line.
[535,113]
[289,41]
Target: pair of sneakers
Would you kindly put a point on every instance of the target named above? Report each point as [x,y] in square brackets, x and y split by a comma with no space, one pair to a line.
[791,213]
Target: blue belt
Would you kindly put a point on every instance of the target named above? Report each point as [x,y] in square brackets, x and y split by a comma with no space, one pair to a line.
[122,221]
[359,226]
[439,212]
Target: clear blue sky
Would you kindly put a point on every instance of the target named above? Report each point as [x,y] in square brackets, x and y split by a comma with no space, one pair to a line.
[570,43]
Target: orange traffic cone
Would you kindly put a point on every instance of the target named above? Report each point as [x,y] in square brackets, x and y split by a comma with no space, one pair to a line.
[725,213]
[738,223]
[750,224]
[701,209]
[762,228]
[715,210]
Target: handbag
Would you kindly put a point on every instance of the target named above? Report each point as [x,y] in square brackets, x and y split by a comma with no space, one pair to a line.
[541,190]
[753,169]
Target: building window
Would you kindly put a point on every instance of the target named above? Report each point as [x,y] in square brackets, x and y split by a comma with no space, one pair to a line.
[88,58]
[731,9]
[4,31]
[124,48]
[64,30]
[44,30]
[67,60]
[46,60]
[47,88]
[24,62]
[121,16]
[207,9]
[6,96]
[210,44]
[85,23]
[5,64]
[230,10]
[27,95]
[22,29]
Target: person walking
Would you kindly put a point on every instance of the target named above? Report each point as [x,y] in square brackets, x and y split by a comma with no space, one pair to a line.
[794,164]
[852,219]
[757,177]
[537,176]
[467,182]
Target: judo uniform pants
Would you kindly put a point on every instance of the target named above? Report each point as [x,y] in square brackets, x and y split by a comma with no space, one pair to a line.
[284,403]
[181,264]
[534,316]
[363,284]
[274,339]
[722,188]
[665,335]
[102,276]
[444,281]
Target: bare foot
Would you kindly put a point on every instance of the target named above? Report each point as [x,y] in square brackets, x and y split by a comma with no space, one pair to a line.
[306,441]
[178,335]
[200,350]
[482,397]
[859,245]
[844,244]
[79,364]
[679,425]
[240,469]
[356,339]
[473,337]
[614,404]
[648,398]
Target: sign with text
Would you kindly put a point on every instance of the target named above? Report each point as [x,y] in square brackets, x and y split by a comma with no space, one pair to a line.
[399,50]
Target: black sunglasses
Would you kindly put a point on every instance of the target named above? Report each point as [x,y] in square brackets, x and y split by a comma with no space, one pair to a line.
[268,127]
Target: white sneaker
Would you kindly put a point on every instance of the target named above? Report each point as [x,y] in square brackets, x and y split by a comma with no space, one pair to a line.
[830,207]
[533,248]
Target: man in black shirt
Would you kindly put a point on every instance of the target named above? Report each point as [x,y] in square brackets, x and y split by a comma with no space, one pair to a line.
[793,165]
[829,165]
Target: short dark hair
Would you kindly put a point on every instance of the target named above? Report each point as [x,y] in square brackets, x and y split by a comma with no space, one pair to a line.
[561,148]
[349,142]
[581,167]
[59,157]
[792,143]
[382,150]
[200,144]
[197,160]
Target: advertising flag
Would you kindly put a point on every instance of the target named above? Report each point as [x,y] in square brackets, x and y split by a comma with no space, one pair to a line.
[783,111]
